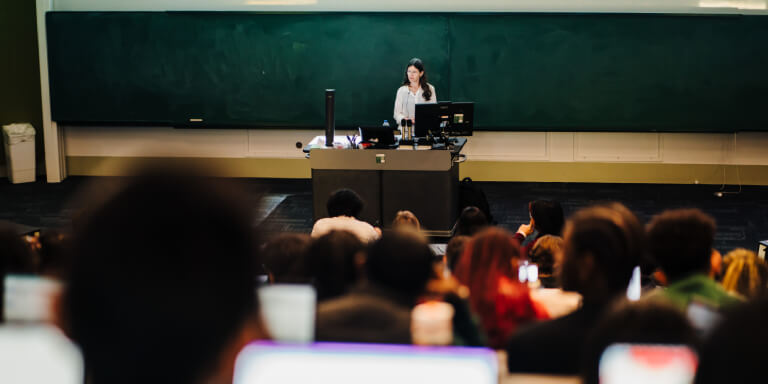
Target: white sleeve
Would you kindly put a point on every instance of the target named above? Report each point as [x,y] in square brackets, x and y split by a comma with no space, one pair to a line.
[399,114]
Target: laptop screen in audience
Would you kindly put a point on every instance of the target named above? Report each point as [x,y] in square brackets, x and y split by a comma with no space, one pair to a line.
[341,363]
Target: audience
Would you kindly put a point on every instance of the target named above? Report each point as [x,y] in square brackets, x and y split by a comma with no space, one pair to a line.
[547,254]
[284,258]
[406,220]
[398,267]
[546,219]
[454,249]
[161,287]
[680,241]
[488,267]
[470,221]
[160,283]
[335,261]
[603,244]
[734,352]
[344,207]
[644,322]
[745,274]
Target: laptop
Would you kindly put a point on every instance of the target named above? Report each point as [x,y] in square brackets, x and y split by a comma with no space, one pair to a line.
[348,363]
[377,137]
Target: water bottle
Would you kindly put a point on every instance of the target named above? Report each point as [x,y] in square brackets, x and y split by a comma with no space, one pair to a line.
[385,124]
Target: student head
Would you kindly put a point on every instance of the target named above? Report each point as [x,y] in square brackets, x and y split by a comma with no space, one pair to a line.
[454,249]
[680,241]
[547,217]
[402,262]
[735,351]
[745,273]
[470,221]
[491,254]
[335,259]
[414,73]
[649,322]
[547,254]
[406,220]
[488,267]
[344,202]
[161,287]
[603,244]
[285,258]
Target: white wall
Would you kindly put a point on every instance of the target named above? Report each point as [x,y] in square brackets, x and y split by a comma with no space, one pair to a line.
[664,148]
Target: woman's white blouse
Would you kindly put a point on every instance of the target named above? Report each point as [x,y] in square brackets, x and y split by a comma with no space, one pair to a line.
[405,102]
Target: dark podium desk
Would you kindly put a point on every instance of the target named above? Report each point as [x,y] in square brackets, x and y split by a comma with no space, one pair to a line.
[422,180]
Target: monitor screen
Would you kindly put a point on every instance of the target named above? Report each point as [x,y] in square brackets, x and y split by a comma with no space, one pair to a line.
[639,363]
[453,118]
[343,363]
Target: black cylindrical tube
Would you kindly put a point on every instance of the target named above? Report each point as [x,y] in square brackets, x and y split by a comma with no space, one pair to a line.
[330,119]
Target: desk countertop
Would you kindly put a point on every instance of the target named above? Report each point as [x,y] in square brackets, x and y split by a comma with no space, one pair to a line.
[406,158]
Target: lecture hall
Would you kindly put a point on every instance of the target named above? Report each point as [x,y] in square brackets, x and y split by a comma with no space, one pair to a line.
[385,191]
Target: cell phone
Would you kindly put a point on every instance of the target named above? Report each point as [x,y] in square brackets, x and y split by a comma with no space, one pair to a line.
[647,363]
[703,317]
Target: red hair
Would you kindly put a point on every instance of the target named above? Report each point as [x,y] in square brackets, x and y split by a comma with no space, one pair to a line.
[488,267]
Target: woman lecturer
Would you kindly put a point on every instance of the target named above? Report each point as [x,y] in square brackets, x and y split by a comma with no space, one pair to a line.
[415,90]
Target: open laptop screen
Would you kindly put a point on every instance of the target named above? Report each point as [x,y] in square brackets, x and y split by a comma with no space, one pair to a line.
[342,363]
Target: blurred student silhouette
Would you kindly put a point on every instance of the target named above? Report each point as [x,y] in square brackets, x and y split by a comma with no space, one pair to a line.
[397,268]
[162,286]
[603,244]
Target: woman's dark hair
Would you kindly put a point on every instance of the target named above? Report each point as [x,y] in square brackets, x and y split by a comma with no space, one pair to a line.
[470,221]
[547,216]
[454,249]
[332,263]
[344,202]
[416,63]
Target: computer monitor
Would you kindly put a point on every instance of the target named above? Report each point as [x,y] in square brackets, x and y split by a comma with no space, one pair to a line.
[451,118]
[378,137]
[341,363]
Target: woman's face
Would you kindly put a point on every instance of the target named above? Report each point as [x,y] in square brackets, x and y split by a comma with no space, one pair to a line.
[414,74]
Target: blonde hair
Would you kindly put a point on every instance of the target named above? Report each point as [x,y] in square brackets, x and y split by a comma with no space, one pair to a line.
[745,273]
[406,219]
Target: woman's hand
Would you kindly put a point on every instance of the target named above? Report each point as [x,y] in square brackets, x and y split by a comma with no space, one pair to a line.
[526,229]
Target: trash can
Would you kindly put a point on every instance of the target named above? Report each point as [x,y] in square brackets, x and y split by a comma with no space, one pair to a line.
[20,152]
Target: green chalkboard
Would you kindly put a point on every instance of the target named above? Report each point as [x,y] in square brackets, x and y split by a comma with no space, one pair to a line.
[236,68]
[612,71]
[524,71]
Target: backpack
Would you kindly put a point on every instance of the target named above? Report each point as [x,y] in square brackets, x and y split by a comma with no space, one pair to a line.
[471,195]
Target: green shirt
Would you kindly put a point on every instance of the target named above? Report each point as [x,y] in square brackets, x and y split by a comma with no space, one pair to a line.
[701,288]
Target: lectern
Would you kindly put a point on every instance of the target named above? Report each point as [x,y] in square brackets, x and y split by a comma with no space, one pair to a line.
[414,178]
